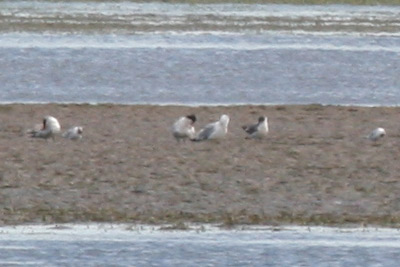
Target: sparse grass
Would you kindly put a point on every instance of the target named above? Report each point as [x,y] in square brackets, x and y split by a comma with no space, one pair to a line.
[281,108]
[293,153]
[313,107]
[6,108]
[180,221]
[176,226]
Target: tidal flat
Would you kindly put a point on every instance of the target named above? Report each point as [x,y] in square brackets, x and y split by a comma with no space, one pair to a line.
[315,167]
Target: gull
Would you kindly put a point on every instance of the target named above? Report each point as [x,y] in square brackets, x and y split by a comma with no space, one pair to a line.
[376,134]
[50,127]
[258,130]
[214,130]
[183,128]
[74,133]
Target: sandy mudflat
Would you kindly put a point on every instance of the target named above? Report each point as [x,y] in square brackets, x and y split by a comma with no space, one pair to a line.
[315,167]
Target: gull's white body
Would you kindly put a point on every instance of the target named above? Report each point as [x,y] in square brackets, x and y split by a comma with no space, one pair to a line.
[215,130]
[50,128]
[376,134]
[258,130]
[73,133]
[183,128]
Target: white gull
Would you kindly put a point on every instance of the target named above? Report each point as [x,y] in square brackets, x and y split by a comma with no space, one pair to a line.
[214,130]
[183,128]
[376,134]
[74,133]
[258,130]
[50,127]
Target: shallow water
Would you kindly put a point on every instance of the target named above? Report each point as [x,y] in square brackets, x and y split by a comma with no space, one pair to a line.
[198,54]
[125,245]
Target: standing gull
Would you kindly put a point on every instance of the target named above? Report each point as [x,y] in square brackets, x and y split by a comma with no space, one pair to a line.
[214,130]
[50,127]
[258,130]
[74,133]
[183,128]
[376,134]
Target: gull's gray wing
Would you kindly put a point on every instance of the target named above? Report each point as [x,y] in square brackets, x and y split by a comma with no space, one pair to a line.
[41,134]
[250,129]
[206,132]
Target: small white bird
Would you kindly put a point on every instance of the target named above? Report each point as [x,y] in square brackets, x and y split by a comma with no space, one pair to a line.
[74,133]
[183,128]
[214,130]
[258,130]
[50,128]
[376,134]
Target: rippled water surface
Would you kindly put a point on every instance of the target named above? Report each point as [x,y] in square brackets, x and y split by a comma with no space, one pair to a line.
[119,245]
[198,54]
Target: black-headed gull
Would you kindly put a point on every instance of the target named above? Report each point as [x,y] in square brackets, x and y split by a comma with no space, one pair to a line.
[258,130]
[377,134]
[214,130]
[74,133]
[50,127]
[183,128]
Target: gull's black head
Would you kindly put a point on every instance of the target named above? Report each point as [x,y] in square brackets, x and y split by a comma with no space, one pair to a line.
[44,123]
[261,119]
[192,117]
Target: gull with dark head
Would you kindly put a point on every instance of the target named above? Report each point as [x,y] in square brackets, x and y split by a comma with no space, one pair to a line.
[258,130]
[214,130]
[377,134]
[50,128]
[183,128]
[74,133]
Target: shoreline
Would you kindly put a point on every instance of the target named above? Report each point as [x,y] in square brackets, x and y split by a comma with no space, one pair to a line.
[198,105]
[314,168]
[95,228]
[298,2]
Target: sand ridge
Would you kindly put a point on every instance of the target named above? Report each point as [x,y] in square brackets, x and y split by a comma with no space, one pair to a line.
[314,167]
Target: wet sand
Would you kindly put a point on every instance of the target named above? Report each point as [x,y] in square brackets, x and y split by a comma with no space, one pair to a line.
[314,168]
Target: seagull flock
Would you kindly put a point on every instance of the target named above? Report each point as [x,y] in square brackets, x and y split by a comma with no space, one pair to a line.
[182,129]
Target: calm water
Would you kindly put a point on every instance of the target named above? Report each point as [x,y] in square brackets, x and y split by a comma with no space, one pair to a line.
[118,245]
[198,54]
